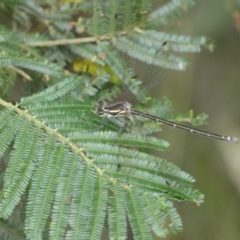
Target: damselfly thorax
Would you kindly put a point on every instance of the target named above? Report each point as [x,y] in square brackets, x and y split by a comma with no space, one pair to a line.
[115,110]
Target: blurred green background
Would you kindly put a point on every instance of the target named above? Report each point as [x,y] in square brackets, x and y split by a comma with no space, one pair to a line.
[211,85]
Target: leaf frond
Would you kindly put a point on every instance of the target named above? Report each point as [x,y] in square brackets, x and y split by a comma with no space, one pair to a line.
[170,11]
[104,162]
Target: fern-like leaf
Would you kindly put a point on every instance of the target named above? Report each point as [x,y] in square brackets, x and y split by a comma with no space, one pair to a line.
[72,173]
[170,11]
[39,65]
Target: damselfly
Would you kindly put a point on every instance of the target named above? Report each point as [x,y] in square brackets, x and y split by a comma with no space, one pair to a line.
[125,108]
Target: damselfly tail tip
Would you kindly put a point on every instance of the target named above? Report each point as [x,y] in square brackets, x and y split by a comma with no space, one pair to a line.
[233,139]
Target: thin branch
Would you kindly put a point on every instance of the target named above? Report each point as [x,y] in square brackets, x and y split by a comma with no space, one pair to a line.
[67,41]
[20,72]
[78,40]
